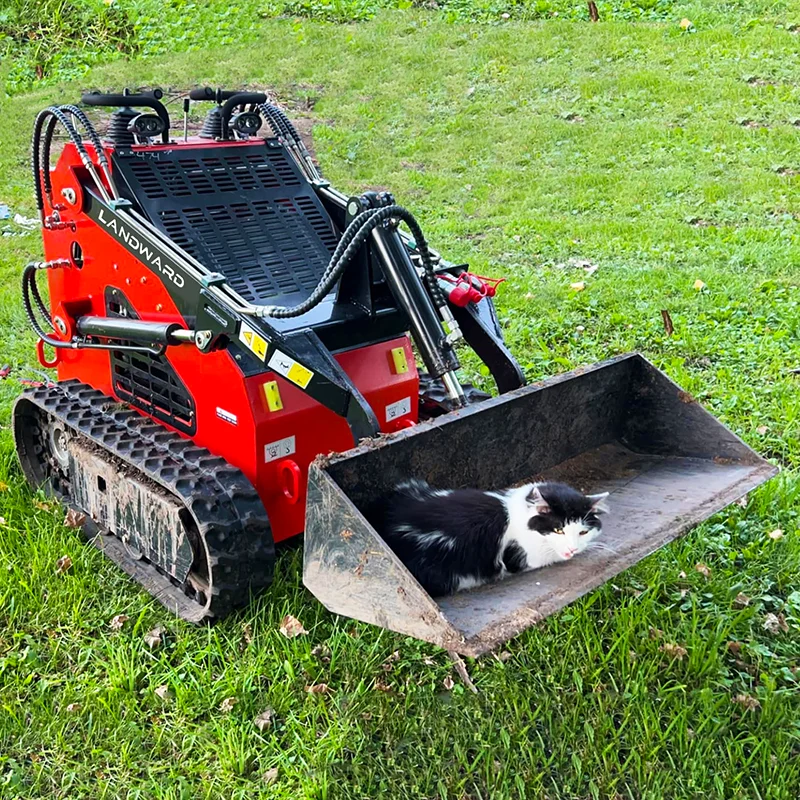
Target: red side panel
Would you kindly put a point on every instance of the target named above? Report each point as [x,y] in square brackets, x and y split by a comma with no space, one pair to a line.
[288,440]
[273,448]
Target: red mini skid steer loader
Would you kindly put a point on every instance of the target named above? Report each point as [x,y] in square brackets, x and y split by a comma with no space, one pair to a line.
[233,344]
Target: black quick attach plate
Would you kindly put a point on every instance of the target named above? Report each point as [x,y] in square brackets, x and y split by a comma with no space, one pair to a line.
[243,210]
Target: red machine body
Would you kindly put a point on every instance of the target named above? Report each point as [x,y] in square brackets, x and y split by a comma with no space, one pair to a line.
[273,446]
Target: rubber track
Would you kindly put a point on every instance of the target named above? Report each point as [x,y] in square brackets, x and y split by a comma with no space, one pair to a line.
[224,504]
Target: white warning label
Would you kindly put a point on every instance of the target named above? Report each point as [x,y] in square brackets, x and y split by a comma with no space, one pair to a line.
[398,409]
[227,416]
[280,449]
[289,368]
[253,341]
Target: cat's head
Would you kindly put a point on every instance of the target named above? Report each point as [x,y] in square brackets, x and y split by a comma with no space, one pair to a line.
[567,520]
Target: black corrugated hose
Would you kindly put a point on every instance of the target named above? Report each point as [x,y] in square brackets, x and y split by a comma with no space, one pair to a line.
[353,238]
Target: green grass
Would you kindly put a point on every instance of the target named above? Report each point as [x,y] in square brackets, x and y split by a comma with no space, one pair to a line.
[523,148]
[45,41]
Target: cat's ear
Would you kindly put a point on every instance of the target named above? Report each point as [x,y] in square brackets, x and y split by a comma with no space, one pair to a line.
[537,502]
[599,505]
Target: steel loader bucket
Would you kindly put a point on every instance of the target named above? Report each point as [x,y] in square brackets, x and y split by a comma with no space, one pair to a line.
[619,426]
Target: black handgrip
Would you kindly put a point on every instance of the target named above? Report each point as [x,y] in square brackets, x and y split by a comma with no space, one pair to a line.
[134,101]
[207,93]
[239,99]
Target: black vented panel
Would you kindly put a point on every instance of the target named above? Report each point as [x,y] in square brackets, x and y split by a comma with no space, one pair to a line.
[150,383]
[146,381]
[243,210]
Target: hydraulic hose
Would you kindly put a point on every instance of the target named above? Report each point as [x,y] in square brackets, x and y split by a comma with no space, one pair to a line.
[31,296]
[29,288]
[278,125]
[97,143]
[38,178]
[39,150]
[353,238]
[283,127]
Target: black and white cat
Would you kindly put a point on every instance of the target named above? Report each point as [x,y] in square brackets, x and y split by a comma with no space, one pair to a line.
[461,538]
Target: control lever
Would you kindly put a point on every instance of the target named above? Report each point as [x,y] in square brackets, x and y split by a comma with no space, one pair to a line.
[144,100]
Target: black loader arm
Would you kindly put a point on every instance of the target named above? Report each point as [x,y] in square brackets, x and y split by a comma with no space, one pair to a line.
[481,329]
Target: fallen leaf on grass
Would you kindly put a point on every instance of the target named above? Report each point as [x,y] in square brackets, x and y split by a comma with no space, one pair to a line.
[118,621]
[578,286]
[323,653]
[388,665]
[318,688]
[247,633]
[153,638]
[669,328]
[685,24]
[3,487]
[675,650]
[226,706]
[698,285]
[748,702]
[291,627]
[74,518]
[735,647]
[382,686]
[656,633]
[741,600]
[265,719]
[775,624]
[776,534]
[742,501]
[761,430]
[163,693]
[448,682]
[63,565]
[74,708]
[270,776]
[504,656]
[42,506]
[703,569]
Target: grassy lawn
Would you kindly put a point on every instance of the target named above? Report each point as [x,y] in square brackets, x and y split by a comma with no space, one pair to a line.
[532,150]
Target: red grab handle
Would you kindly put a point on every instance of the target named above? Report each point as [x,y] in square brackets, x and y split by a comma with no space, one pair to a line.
[290,477]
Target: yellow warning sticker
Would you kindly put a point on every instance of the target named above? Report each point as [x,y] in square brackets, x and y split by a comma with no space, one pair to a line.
[253,341]
[290,369]
[273,396]
[400,361]
[300,375]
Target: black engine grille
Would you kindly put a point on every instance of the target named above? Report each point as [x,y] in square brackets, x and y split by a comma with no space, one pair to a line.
[149,382]
[245,211]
